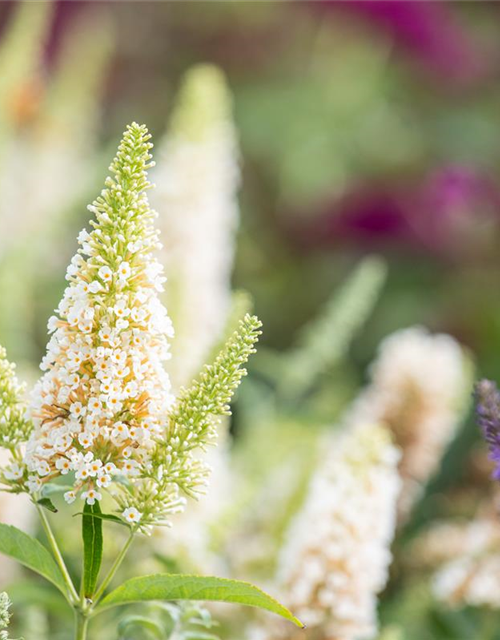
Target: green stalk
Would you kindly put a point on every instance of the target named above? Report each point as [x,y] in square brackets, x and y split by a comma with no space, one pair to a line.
[489,628]
[116,565]
[81,625]
[73,595]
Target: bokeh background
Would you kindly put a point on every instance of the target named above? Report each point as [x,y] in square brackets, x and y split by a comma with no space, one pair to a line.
[366,128]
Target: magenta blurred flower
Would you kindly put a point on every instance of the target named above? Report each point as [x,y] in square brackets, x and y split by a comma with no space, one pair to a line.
[429,29]
[454,204]
[455,208]
[369,218]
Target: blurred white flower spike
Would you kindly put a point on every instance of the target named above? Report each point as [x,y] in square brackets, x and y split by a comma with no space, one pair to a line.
[464,556]
[49,121]
[5,605]
[337,553]
[419,388]
[14,430]
[197,178]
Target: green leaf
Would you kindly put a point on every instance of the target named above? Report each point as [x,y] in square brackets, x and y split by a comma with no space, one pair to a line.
[140,621]
[52,488]
[92,547]
[28,592]
[104,516]
[185,587]
[31,553]
[47,503]
[325,340]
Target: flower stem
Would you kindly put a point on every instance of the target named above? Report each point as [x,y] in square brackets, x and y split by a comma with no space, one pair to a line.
[114,568]
[73,595]
[489,627]
[81,625]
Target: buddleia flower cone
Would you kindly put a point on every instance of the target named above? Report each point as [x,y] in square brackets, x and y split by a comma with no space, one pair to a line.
[197,178]
[104,410]
[419,386]
[337,551]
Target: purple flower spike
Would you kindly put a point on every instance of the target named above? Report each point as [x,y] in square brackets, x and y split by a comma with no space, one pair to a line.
[488,418]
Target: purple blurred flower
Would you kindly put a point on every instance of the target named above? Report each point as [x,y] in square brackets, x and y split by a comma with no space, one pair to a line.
[428,29]
[488,418]
[369,217]
[454,211]
[454,186]
[65,15]
[454,204]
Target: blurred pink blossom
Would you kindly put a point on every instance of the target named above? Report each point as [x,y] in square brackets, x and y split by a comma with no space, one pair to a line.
[430,30]
[455,208]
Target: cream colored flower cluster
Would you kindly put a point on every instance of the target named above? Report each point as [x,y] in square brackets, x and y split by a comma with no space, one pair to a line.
[197,177]
[14,428]
[105,394]
[4,615]
[337,554]
[418,386]
[449,540]
[192,425]
[470,581]
[467,558]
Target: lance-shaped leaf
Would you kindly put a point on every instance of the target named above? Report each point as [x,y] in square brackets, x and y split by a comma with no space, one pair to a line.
[92,547]
[324,342]
[31,553]
[47,503]
[103,516]
[186,587]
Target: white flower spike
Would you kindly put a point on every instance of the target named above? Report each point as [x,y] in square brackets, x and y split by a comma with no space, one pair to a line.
[104,410]
[198,177]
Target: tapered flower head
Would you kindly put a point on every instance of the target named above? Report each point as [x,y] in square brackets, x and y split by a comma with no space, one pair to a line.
[4,615]
[197,178]
[419,386]
[105,394]
[176,468]
[104,410]
[467,558]
[14,427]
[337,553]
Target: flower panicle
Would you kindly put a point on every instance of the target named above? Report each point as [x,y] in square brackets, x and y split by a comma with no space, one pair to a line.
[14,427]
[211,393]
[133,159]
[198,217]
[487,396]
[418,387]
[5,605]
[174,469]
[105,393]
[331,573]
[103,411]
[204,103]
[123,196]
